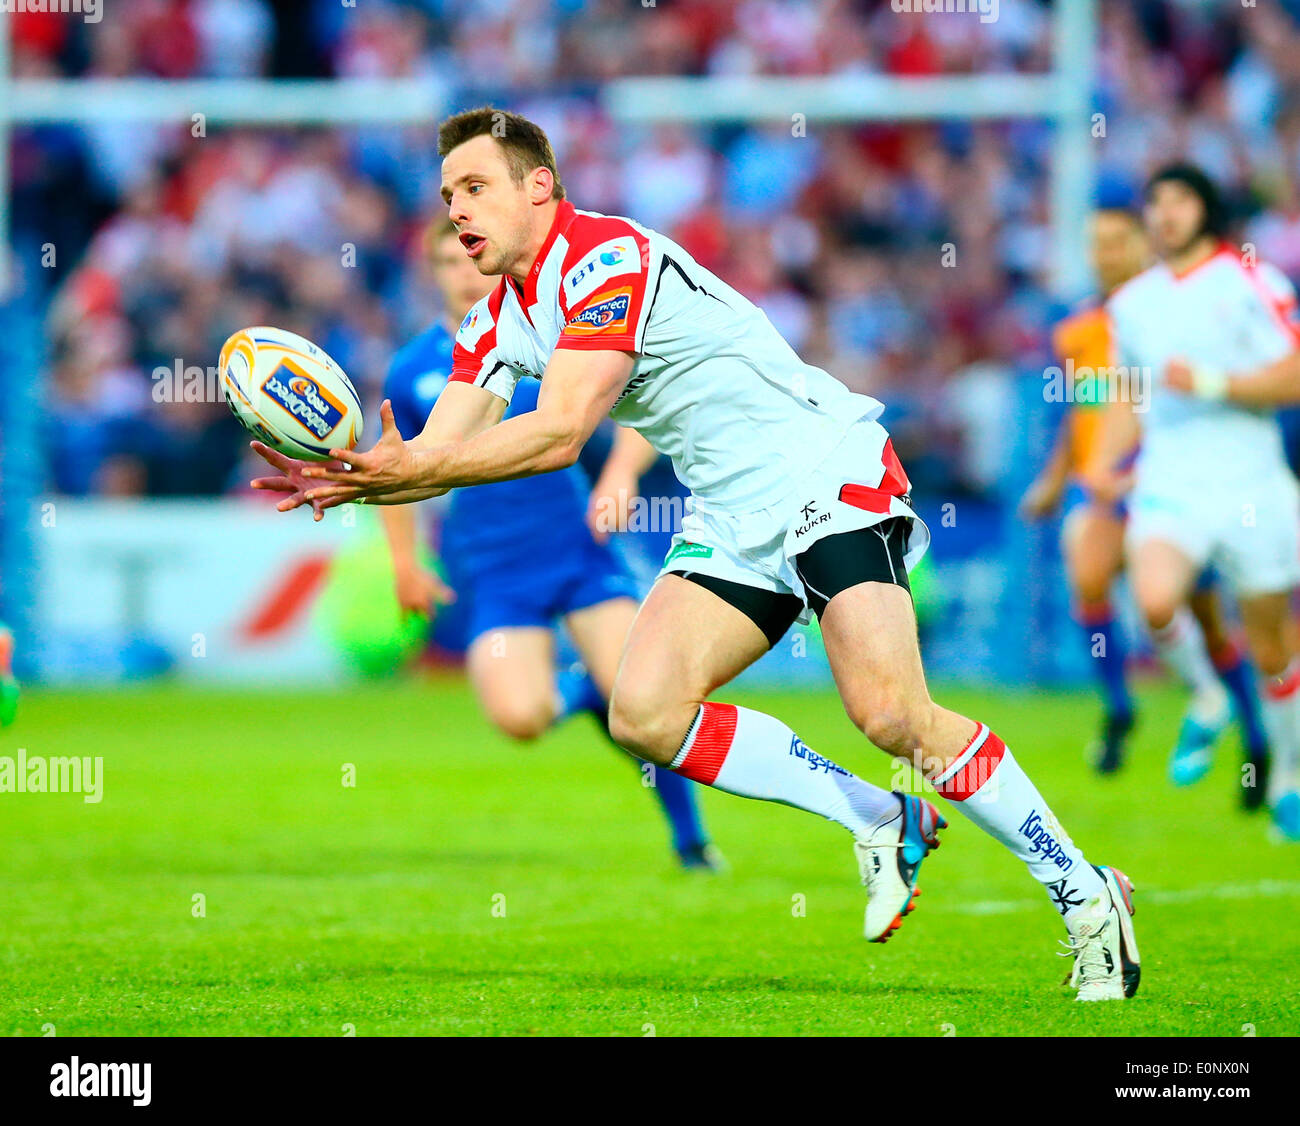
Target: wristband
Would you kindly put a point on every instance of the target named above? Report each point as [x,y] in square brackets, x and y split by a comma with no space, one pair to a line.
[1209,383]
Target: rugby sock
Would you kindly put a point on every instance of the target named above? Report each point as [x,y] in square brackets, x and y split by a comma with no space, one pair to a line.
[754,755]
[1238,677]
[1280,705]
[986,783]
[1182,647]
[1107,650]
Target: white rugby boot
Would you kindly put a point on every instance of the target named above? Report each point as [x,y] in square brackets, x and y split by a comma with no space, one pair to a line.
[1103,943]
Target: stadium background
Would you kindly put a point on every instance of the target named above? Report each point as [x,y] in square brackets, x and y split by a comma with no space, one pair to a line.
[911,260]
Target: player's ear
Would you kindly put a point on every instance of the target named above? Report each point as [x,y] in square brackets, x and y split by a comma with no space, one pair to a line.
[541,183]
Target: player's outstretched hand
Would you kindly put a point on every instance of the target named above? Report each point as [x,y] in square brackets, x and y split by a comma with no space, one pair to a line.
[291,480]
[357,475]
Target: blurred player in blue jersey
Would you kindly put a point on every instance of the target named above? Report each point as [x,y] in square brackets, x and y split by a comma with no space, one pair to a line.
[520,559]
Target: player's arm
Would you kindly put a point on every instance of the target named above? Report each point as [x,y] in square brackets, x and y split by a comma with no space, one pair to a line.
[1273,385]
[1276,384]
[578,389]
[417,588]
[461,412]
[1121,431]
[1043,496]
[629,458]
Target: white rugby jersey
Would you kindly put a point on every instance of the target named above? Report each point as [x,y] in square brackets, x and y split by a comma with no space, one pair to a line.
[1222,314]
[714,386]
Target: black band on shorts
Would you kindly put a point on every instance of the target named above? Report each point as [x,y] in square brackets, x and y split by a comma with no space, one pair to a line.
[868,555]
[772,612]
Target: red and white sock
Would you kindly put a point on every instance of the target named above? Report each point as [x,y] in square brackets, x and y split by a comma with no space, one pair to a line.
[754,755]
[986,783]
[1279,698]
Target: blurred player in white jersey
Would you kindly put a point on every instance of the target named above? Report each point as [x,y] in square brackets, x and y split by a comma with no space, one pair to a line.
[1211,336]
[1092,541]
[799,505]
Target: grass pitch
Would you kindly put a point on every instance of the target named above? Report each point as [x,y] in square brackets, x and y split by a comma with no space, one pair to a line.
[466,885]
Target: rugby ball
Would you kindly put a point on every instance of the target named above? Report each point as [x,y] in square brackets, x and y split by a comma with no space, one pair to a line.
[289,393]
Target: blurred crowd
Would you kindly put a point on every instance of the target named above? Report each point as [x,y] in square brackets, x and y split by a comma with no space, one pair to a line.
[910,261]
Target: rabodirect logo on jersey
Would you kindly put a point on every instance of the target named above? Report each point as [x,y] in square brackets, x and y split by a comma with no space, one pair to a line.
[606,313]
[304,398]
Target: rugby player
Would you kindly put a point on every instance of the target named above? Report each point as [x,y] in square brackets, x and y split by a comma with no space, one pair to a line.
[1215,332]
[1092,541]
[799,504]
[521,559]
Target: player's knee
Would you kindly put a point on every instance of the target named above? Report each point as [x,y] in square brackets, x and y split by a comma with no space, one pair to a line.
[645,724]
[520,720]
[1158,608]
[895,720]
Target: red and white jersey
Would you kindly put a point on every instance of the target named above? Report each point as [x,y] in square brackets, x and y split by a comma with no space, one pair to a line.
[1225,314]
[714,386]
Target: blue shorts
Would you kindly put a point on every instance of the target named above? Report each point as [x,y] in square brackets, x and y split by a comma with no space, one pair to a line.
[540,590]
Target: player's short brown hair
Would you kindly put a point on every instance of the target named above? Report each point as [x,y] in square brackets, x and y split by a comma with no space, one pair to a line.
[523,143]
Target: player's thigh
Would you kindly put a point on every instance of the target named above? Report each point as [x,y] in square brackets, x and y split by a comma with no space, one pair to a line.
[1162,575]
[599,634]
[870,636]
[512,670]
[869,627]
[685,642]
[1093,542]
[1270,629]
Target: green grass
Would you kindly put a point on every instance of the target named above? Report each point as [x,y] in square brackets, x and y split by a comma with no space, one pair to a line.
[372,906]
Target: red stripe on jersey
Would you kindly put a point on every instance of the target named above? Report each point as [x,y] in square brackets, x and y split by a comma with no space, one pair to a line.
[585,234]
[893,483]
[467,366]
[710,744]
[894,480]
[1282,309]
[976,770]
